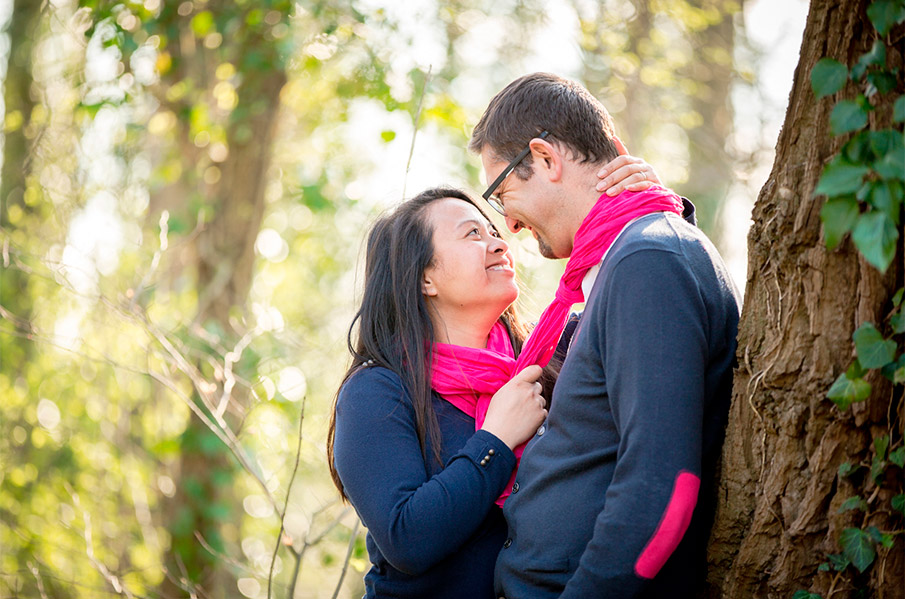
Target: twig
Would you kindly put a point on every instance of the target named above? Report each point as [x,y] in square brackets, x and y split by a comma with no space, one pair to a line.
[38,580]
[273,559]
[408,164]
[111,578]
[342,574]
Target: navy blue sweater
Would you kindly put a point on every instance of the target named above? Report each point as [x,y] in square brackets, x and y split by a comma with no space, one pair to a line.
[642,397]
[433,530]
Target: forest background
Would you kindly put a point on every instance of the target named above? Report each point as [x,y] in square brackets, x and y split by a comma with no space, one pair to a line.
[184,190]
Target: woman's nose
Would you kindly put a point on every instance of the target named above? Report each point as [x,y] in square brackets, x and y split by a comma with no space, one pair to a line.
[498,246]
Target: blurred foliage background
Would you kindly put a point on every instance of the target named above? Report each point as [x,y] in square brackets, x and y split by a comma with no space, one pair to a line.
[185,187]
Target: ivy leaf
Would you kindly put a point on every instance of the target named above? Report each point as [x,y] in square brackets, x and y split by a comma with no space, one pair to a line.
[883,81]
[857,149]
[885,141]
[877,536]
[845,391]
[875,236]
[897,368]
[802,594]
[878,468]
[853,503]
[855,370]
[898,503]
[898,110]
[840,178]
[847,116]
[892,164]
[858,547]
[827,77]
[884,14]
[883,199]
[873,350]
[839,561]
[845,468]
[897,298]
[875,56]
[839,216]
[897,457]
[881,444]
[824,567]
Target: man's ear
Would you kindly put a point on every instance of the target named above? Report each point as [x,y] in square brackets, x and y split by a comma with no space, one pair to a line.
[620,147]
[547,158]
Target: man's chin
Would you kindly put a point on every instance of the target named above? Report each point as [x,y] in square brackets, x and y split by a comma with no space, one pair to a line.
[545,250]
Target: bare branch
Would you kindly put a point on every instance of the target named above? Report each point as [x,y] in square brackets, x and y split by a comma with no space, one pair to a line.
[342,574]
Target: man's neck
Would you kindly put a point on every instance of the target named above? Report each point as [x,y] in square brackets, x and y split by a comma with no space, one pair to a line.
[580,186]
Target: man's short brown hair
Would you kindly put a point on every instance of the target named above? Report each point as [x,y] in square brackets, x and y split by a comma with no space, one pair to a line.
[543,101]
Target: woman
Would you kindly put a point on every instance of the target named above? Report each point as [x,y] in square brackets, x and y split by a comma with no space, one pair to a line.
[439,283]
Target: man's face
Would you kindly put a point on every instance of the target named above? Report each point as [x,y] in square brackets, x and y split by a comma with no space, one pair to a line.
[530,204]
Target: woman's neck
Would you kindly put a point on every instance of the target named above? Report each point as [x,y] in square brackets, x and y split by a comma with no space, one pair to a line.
[467,330]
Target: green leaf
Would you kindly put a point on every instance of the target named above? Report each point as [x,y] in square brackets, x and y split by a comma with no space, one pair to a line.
[897,298]
[857,149]
[824,567]
[878,468]
[873,350]
[840,178]
[853,503]
[855,370]
[892,164]
[827,77]
[839,216]
[875,56]
[898,503]
[806,595]
[881,444]
[202,23]
[839,561]
[882,198]
[897,457]
[847,116]
[883,81]
[898,377]
[884,14]
[845,468]
[845,391]
[388,135]
[885,141]
[898,109]
[875,236]
[877,536]
[858,547]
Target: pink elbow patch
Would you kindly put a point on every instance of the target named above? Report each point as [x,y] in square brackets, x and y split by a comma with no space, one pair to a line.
[672,526]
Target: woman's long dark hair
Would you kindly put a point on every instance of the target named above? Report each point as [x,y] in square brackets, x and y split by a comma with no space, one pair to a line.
[394,326]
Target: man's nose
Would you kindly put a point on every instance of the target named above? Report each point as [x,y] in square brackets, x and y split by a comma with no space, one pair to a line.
[514,225]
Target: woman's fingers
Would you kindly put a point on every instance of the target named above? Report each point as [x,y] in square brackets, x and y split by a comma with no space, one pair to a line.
[626,172]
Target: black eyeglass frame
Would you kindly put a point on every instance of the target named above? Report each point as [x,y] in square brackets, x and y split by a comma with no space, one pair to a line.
[495,203]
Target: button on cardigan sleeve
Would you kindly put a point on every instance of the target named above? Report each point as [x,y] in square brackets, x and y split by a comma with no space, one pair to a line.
[416,518]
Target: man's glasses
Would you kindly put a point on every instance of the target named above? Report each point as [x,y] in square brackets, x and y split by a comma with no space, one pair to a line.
[494,201]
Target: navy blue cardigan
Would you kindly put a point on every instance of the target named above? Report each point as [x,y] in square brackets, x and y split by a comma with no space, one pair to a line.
[639,408]
[433,530]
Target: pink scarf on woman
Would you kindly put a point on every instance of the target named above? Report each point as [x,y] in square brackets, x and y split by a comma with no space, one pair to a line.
[468,377]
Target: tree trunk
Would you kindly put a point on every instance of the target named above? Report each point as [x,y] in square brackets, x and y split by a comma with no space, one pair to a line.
[224,258]
[779,493]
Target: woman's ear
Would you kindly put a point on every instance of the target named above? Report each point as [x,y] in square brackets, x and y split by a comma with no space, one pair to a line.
[427,285]
[546,158]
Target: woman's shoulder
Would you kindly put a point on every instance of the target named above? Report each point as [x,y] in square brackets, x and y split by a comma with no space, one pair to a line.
[373,384]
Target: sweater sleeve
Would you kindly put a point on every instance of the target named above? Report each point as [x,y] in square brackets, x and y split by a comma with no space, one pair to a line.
[653,331]
[415,519]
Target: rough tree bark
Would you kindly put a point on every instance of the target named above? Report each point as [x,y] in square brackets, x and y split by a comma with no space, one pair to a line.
[779,492]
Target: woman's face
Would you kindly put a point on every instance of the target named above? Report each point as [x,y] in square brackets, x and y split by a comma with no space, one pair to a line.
[472,270]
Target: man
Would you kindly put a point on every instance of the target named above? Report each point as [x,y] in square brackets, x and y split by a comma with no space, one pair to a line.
[611,498]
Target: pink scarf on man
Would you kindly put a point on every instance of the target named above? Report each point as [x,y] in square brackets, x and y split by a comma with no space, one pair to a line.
[468,377]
